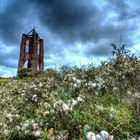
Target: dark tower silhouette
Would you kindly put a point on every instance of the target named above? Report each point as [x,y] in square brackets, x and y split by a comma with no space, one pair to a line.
[31,51]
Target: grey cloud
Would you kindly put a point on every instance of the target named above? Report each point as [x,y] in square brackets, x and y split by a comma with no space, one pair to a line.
[101,49]
[8,58]
[83,20]
[71,22]
[12,21]
[64,17]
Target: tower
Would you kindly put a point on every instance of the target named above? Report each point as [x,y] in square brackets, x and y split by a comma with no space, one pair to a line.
[31,51]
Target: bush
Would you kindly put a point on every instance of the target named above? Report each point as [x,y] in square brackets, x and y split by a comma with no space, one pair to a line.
[27,73]
[70,102]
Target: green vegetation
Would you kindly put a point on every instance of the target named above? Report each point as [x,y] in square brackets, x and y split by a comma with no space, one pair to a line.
[68,103]
[3,81]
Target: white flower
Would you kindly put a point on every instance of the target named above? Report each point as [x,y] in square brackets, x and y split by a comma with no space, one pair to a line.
[93,84]
[17,115]
[45,113]
[104,134]
[40,84]
[74,79]
[23,127]
[90,83]
[18,127]
[37,133]
[52,111]
[74,102]
[98,137]
[133,138]
[35,126]
[96,93]
[25,124]
[115,88]
[78,81]
[27,131]
[9,115]
[87,127]
[136,95]
[65,107]
[90,136]
[79,99]
[111,137]
[100,81]
[133,95]
[22,94]
[100,108]
[1,124]
[33,86]
[34,97]
[75,85]
[6,131]
[129,92]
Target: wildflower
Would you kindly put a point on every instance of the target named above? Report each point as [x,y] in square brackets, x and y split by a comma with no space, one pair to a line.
[18,127]
[93,84]
[129,92]
[50,132]
[90,136]
[133,138]
[25,125]
[115,88]
[100,82]
[104,134]
[34,97]
[98,137]
[90,83]
[13,109]
[75,85]
[6,132]
[40,84]
[100,108]
[25,84]
[74,102]
[65,134]
[111,137]
[52,111]
[79,99]
[17,115]
[22,94]
[33,86]
[111,116]
[87,127]
[74,79]
[35,126]
[78,82]
[136,95]
[27,131]
[65,107]
[45,113]
[36,133]
[1,124]
[9,115]
[96,93]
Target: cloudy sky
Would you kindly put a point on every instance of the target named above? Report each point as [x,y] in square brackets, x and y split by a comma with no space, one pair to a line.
[76,32]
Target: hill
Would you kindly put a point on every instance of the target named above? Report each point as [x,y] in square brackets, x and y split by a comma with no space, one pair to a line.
[74,103]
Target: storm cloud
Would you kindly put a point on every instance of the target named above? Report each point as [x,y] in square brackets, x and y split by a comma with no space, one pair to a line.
[71,29]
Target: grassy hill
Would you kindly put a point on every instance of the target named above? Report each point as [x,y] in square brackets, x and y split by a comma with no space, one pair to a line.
[71,103]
